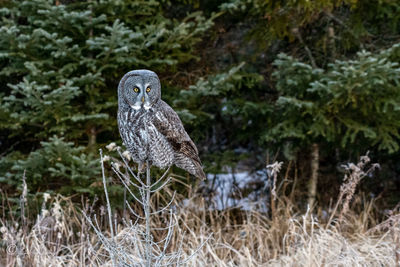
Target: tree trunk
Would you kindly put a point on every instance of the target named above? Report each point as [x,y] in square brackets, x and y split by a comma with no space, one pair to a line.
[92,134]
[312,186]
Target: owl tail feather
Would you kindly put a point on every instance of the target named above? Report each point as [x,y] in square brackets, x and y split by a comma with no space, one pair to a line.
[191,166]
[200,174]
[198,171]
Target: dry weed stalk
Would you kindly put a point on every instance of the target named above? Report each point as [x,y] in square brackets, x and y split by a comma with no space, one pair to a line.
[391,226]
[355,173]
[274,169]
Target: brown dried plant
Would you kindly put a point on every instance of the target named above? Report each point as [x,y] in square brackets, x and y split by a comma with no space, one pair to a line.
[354,174]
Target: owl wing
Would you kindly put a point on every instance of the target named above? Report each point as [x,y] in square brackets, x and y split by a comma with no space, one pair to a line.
[169,124]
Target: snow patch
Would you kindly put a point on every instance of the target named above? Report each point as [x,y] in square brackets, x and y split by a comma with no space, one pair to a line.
[244,190]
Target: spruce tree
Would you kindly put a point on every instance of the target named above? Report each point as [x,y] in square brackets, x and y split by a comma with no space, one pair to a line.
[352,103]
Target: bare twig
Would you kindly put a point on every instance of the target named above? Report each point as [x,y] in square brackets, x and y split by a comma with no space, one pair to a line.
[108,204]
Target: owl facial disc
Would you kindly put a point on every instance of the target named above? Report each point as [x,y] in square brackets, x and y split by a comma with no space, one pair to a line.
[141,97]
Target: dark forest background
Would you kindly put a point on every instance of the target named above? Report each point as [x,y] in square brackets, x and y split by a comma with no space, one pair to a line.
[315,84]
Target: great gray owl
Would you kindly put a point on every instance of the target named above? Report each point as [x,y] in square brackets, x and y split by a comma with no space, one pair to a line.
[150,128]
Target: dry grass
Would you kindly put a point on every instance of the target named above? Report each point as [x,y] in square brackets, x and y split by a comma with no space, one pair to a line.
[61,236]
[253,240]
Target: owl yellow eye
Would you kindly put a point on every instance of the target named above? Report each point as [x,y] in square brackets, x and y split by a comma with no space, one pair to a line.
[136,90]
[148,89]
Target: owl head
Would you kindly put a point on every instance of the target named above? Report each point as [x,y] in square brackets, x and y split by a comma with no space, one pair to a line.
[139,89]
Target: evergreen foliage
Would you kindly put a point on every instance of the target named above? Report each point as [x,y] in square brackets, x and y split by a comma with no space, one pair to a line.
[224,112]
[60,65]
[247,77]
[329,29]
[352,103]
[58,166]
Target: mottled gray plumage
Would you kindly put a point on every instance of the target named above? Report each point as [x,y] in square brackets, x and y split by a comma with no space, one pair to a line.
[150,128]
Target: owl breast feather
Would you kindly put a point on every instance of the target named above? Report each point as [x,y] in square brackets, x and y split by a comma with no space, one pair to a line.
[143,140]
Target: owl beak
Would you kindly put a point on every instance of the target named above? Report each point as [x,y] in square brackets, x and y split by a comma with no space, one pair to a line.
[142,99]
